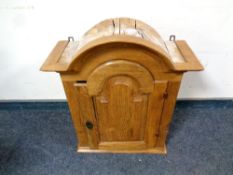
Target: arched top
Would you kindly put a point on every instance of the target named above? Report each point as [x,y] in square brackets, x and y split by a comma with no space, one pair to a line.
[70,55]
[110,69]
[122,27]
[121,30]
[108,40]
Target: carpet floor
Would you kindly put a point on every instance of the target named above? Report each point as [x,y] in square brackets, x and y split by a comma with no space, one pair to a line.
[38,138]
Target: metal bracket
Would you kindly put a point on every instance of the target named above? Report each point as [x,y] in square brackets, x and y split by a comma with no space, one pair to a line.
[70,38]
[172,38]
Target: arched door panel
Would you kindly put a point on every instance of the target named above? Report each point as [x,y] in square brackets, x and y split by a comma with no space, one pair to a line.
[121,94]
[121,110]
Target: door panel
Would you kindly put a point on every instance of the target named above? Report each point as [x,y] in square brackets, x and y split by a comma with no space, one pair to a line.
[88,116]
[110,69]
[124,103]
[121,110]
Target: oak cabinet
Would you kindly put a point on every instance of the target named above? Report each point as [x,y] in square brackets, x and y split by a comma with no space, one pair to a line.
[121,81]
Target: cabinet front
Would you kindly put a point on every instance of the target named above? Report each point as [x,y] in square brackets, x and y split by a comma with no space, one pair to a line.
[121,105]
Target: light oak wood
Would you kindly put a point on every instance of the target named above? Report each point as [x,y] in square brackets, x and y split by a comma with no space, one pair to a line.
[121,110]
[192,63]
[130,145]
[76,113]
[101,55]
[155,150]
[121,81]
[155,106]
[167,111]
[52,62]
[88,114]
[99,76]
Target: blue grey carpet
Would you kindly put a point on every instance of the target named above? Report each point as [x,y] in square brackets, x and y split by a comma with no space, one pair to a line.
[38,139]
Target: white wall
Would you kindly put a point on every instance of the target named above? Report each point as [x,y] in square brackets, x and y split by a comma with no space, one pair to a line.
[29,30]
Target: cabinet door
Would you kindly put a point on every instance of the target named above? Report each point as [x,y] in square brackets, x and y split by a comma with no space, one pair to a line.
[125,105]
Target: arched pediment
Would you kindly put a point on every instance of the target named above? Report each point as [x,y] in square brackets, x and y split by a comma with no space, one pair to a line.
[124,32]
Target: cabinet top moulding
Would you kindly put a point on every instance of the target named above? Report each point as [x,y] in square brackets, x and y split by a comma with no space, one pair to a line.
[69,56]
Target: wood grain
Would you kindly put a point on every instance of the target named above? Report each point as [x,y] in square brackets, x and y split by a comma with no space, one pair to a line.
[98,77]
[76,113]
[155,150]
[88,114]
[192,63]
[155,106]
[121,81]
[167,112]
[51,63]
[121,110]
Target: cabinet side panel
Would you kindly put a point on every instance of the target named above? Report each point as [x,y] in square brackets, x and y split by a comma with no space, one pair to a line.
[72,98]
[155,106]
[168,109]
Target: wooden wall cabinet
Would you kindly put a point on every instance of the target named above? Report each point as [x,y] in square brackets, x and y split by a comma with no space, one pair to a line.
[121,81]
